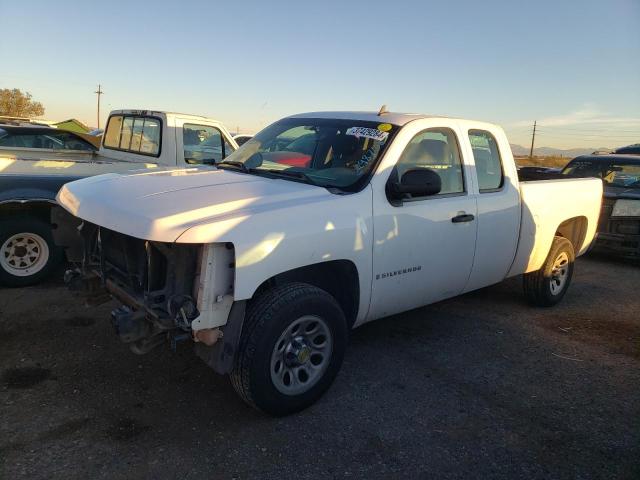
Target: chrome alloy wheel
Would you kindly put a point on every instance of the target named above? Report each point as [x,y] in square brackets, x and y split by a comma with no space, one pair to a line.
[559,273]
[301,355]
[24,254]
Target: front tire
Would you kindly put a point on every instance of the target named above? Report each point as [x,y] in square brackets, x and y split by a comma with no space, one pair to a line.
[547,286]
[28,253]
[292,346]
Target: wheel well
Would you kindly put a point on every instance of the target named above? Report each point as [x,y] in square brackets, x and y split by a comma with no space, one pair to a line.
[574,230]
[339,278]
[38,209]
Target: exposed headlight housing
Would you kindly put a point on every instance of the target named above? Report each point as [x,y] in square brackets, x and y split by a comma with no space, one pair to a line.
[68,200]
[626,208]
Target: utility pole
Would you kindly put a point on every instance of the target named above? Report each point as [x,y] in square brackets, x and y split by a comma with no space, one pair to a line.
[99,92]
[533,138]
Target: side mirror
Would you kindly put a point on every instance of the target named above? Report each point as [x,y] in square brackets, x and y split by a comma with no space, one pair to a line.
[418,182]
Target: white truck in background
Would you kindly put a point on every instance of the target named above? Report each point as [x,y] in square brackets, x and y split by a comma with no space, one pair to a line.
[31,177]
[318,224]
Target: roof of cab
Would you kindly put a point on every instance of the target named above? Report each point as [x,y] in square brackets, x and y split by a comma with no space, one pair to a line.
[394,118]
[134,111]
[398,119]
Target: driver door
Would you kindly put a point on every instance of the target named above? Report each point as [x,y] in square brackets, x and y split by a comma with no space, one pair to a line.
[424,246]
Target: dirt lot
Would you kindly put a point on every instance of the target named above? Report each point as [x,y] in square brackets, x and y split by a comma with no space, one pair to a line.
[478,386]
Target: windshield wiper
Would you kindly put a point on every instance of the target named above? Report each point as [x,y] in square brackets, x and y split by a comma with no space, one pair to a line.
[235,164]
[269,171]
[288,173]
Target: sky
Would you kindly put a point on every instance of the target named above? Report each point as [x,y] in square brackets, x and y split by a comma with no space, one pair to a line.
[572,66]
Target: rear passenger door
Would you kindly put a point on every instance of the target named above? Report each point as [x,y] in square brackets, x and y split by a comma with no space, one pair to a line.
[498,201]
[423,246]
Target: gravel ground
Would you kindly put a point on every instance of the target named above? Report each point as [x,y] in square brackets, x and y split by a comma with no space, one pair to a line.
[475,387]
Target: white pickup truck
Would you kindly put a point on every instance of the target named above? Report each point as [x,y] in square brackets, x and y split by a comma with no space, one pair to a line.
[318,224]
[34,165]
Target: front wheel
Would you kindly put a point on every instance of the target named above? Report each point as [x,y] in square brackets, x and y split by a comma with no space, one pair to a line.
[547,286]
[27,252]
[292,345]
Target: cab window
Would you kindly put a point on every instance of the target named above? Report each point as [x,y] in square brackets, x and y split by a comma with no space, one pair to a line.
[133,133]
[150,142]
[487,159]
[435,149]
[125,136]
[204,144]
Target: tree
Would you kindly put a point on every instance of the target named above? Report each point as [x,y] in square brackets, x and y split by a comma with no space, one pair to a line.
[14,103]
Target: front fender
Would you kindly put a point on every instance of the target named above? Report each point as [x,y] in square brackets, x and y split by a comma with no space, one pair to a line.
[273,242]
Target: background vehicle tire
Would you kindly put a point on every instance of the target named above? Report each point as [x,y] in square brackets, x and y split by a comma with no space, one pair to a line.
[27,252]
[292,346]
[547,286]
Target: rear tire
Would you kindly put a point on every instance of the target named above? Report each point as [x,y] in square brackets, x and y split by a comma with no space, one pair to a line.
[292,346]
[547,286]
[28,253]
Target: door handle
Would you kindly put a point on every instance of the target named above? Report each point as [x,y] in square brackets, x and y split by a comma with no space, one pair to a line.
[463,217]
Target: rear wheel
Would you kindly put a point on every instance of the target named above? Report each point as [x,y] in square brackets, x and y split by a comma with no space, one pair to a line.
[291,349]
[547,286]
[27,252]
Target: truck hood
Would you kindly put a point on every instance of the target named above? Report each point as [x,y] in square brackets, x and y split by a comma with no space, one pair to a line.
[160,205]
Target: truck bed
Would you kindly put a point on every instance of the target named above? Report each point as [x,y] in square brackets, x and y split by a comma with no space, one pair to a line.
[545,205]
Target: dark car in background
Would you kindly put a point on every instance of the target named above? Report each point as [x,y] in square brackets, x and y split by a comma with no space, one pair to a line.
[629,149]
[28,140]
[619,224]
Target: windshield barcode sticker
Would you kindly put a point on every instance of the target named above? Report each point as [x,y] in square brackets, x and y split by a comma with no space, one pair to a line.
[368,133]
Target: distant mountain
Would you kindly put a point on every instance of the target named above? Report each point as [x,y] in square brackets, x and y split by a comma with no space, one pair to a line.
[519,151]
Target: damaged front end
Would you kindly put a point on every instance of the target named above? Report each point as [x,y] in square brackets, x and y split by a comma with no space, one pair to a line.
[169,292]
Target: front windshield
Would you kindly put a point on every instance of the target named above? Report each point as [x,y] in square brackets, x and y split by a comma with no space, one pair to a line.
[614,174]
[325,152]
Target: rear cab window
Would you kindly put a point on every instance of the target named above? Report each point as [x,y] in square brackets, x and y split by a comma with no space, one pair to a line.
[137,134]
